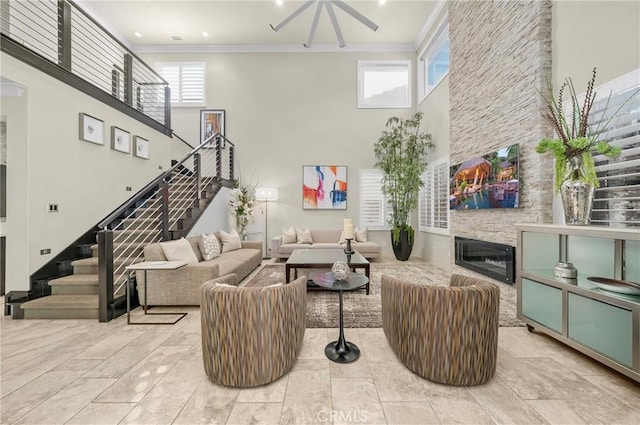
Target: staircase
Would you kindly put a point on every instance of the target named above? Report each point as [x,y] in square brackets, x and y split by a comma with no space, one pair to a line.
[76,296]
[72,297]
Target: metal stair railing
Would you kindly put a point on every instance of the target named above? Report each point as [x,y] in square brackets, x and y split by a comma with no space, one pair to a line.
[154,214]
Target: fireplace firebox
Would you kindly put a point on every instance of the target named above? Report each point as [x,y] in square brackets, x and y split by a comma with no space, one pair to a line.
[488,258]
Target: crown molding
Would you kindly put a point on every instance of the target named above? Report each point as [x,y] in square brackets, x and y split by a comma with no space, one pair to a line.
[273,48]
[422,35]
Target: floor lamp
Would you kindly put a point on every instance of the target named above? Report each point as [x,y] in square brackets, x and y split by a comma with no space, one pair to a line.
[266,194]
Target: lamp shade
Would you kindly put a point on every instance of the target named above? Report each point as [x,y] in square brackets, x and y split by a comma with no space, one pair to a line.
[266,193]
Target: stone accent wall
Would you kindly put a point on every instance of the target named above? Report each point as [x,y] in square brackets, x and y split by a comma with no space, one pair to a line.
[500,60]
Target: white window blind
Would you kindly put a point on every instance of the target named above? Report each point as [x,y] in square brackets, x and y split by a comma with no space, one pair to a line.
[617,200]
[186,81]
[374,208]
[433,201]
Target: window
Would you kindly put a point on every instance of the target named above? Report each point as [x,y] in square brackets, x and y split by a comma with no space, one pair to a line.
[433,202]
[433,64]
[384,84]
[617,200]
[186,81]
[374,208]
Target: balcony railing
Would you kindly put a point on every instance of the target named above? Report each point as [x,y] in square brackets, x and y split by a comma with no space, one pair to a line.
[60,32]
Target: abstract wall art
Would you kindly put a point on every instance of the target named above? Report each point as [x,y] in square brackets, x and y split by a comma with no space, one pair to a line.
[324,187]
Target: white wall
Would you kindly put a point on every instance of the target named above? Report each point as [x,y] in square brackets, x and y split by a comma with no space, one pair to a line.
[286,110]
[49,164]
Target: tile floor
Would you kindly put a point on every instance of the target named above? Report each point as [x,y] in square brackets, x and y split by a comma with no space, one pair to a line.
[84,372]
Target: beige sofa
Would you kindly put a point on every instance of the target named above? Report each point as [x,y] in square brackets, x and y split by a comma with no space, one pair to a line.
[322,239]
[182,286]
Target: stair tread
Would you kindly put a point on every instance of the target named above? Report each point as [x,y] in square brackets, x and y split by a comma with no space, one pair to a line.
[90,261]
[62,302]
[76,279]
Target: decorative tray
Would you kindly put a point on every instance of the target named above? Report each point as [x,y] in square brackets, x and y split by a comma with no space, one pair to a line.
[615,285]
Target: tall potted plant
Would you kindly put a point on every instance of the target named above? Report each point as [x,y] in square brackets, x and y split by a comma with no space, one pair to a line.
[575,174]
[400,154]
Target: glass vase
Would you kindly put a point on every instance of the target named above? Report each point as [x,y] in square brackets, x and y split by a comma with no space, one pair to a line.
[577,194]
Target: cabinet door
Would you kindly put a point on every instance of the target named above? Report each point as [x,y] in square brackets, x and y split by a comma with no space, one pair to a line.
[602,327]
[542,303]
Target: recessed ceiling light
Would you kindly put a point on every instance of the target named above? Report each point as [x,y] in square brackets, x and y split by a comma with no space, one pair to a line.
[381,2]
[279,2]
[137,34]
[205,34]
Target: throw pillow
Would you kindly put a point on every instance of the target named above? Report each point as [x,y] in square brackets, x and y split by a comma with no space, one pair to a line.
[289,235]
[179,250]
[361,234]
[304,236]
[209,246]
[230,241]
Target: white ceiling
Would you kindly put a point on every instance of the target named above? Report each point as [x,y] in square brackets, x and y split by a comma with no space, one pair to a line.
[241,23]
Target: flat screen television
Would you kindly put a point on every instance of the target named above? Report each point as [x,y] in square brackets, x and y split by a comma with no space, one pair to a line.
[488,181]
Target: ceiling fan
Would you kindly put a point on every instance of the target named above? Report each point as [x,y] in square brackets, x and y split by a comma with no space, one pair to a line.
[327,4]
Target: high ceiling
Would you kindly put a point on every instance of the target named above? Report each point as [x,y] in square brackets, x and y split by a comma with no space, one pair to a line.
[242,22]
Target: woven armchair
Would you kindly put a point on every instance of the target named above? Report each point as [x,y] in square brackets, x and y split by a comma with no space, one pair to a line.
[446,334]
[251,336]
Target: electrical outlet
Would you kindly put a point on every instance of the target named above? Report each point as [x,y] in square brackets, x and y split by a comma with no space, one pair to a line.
[45,251]
[52,208]
[128,188]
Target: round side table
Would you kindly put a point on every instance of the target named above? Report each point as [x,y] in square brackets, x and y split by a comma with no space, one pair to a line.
[341,351]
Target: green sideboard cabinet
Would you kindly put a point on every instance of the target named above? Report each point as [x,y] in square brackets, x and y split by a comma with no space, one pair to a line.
[602,324]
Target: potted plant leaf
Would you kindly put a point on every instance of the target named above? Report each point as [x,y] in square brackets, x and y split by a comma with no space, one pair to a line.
[574,146]
[401,154]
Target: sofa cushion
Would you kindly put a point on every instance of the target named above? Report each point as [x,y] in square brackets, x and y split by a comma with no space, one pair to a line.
[304,236]
[179,250]
[230,241]
[288,248]
[326,235]
[367,249]
[326,245]
[209,246]
[289,235]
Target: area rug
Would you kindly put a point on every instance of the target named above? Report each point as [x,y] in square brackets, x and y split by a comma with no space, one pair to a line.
[365,311]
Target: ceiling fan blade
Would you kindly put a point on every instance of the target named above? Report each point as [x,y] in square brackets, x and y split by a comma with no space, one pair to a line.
[334,22]
[314,24]
[359,16]
[291,17]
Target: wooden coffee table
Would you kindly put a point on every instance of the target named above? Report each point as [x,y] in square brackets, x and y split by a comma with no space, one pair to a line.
[324,259]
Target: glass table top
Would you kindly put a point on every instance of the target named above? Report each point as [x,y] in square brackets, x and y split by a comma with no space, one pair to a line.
[325,256]
[328,281]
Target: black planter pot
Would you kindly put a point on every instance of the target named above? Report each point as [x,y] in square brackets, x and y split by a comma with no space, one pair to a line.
[403,247]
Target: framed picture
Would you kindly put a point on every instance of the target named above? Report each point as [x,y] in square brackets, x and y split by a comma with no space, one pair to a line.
[211,122]
[120,140]
[140,147]
[324,187]
[91,129]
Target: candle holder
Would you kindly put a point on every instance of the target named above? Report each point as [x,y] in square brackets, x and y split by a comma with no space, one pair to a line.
[348,250]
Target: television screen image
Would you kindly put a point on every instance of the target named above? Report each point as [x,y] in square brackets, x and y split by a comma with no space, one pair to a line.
[488,181]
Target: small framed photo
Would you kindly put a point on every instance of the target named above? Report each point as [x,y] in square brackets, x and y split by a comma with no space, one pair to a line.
[120,140]
[211,122]
[91,129]
[140,147]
